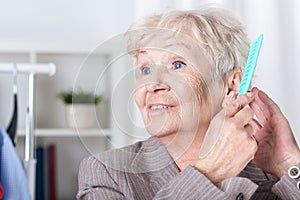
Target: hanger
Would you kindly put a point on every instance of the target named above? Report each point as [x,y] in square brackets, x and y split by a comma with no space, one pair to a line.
[12,127]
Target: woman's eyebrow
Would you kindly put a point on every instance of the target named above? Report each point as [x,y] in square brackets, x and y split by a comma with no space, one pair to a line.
[142,51]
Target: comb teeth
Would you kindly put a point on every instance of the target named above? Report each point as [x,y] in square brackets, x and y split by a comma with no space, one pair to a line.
[250,66]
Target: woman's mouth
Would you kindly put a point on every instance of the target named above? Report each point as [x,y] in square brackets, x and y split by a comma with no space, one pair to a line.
[158,107]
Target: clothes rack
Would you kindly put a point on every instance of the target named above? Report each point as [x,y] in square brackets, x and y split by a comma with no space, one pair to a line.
[30,69]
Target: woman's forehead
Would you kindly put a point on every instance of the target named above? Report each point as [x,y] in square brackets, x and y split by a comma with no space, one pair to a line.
[177,48]
[190,51]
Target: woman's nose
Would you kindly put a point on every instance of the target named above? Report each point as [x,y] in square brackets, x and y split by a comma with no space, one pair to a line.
[155,87]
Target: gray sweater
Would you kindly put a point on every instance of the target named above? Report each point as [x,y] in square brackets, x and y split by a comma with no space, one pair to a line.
[145,170]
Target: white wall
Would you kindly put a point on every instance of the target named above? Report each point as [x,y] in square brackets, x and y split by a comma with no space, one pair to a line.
[63,32]
[34,24]
[278,67]
[82,25]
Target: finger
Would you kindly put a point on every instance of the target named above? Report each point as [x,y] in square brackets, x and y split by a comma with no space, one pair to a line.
[255,91]
[269,102]
[253,142]
[256,126]
[250,143]
[260,108]
[249,129]
[236,105]
[244,116]
[256,130]
[254,139]
[261,114]
[265,102]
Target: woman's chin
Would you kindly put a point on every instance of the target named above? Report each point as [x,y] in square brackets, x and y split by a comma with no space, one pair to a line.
[161,128]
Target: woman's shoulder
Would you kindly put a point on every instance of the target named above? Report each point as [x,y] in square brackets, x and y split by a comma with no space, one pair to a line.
[119,157]
[107,169]
[141,156]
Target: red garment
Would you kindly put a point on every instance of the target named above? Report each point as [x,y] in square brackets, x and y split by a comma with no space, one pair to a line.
[1,192]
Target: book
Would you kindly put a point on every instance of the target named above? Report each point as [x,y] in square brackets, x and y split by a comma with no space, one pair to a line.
[52,171]
[39,180]
[46,174]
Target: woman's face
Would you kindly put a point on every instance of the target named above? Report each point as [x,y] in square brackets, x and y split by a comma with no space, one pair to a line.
[173,89]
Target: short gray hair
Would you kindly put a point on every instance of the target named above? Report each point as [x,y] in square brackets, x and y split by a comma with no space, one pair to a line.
[216,30]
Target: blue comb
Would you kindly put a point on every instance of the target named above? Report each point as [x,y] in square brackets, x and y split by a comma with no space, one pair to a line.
[250,66]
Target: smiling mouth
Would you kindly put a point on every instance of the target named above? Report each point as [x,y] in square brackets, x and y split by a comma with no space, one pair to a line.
[159,107]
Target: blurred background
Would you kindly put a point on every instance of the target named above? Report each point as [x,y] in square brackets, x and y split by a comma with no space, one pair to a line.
[84,39]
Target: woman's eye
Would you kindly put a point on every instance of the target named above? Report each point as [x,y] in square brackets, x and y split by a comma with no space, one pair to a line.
[178,64]
[146,70]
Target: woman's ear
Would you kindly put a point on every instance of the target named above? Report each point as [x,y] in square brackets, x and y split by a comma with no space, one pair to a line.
[232,86]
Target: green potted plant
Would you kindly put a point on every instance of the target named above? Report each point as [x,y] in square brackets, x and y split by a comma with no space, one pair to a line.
[80,108]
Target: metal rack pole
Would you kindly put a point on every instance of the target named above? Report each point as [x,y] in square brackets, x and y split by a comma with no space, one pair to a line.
[30,161]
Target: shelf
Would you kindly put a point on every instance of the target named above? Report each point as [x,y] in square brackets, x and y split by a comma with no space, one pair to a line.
[68,132]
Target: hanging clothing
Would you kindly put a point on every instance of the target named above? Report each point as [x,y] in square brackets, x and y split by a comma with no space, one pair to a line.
[12,127]
[1,192]
[12,176]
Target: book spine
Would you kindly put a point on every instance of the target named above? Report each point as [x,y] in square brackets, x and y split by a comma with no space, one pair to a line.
[39,182]
[46,174]
[52,171]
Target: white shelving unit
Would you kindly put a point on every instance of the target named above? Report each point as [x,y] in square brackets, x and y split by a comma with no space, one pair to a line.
[74,68]
[43,132]
[101,71]
[71,147]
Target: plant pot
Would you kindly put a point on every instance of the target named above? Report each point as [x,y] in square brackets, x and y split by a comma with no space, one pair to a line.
[81,116]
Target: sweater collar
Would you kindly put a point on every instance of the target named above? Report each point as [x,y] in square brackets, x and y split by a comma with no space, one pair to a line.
[152,156]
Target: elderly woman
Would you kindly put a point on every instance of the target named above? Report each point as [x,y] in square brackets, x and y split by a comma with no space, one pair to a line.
[205,142]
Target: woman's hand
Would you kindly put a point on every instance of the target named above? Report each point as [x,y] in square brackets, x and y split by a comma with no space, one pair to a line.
[229,144]
[277,148]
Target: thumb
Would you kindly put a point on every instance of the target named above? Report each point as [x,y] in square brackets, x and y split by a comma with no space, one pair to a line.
[235,106]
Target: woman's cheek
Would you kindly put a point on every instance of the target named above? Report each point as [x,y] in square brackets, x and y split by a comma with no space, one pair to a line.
[194,81]
[139,97]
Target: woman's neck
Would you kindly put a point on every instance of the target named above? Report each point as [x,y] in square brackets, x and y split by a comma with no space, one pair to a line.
[184,147]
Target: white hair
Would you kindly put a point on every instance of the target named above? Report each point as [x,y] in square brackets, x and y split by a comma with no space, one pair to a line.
[216,30]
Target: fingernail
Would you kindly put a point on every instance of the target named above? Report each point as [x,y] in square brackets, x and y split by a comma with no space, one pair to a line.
[235,105]
[250,94]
